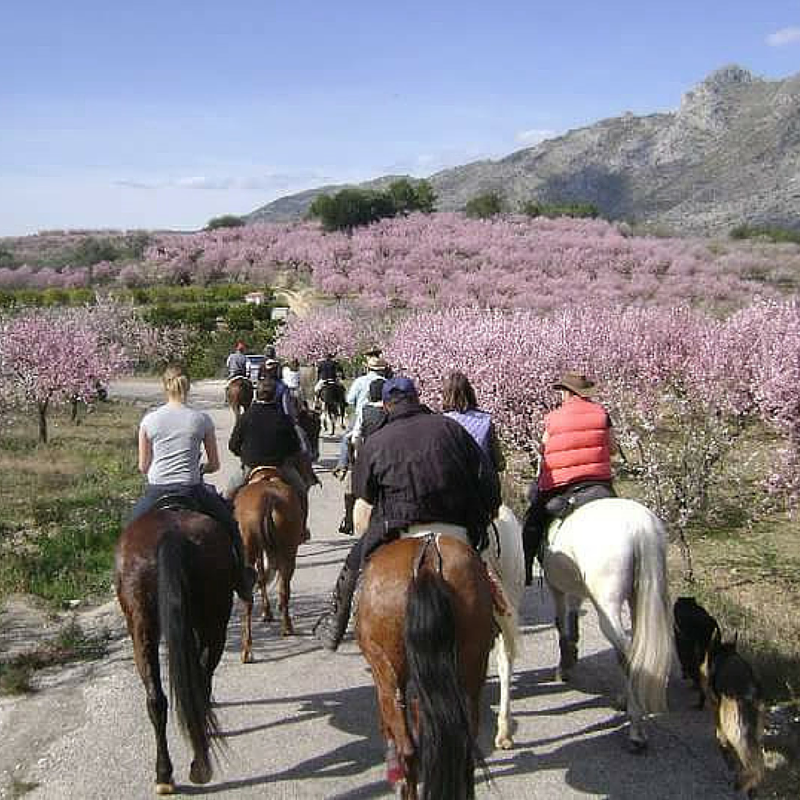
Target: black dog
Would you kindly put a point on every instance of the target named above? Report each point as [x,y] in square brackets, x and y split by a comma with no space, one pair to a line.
[734,691]
[694,629]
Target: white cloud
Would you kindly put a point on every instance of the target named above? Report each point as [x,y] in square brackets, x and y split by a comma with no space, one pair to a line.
[534,136]
[784,36]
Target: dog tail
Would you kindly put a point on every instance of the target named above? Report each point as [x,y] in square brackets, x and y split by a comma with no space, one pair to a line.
[740,727]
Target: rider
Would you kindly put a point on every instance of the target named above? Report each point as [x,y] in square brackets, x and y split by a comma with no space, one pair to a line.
[237,362]
[329,370]
[265,437]
[358,395]
[576,452]
[459,403]
[371,417]
[419,470]
[171,441]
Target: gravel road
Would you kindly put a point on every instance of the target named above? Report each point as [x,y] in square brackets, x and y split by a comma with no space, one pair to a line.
[301,722]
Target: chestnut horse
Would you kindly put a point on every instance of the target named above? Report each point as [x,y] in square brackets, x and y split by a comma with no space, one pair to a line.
[270,518]
[174,575]
[425,626]
[239,395]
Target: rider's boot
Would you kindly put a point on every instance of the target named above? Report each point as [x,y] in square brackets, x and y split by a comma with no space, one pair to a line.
[331,626]
[531,539]
[346,525]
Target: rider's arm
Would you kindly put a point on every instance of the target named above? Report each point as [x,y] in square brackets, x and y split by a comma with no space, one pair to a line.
[145,451]
[212,454]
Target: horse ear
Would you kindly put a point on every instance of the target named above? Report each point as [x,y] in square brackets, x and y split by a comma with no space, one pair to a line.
[735,641]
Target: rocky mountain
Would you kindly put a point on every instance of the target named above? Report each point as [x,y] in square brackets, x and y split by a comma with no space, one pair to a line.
[729,155]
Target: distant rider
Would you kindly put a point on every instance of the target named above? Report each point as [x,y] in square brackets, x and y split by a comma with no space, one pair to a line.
[237,362]
[329,370]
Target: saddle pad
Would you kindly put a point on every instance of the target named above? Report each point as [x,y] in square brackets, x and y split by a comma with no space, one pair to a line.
[437,529]
[237,378]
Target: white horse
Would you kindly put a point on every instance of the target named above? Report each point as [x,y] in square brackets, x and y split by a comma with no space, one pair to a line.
[613,551]
[506,564]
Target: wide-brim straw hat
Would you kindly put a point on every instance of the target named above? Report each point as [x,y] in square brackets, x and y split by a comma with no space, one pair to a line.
[376,363]
[576,383]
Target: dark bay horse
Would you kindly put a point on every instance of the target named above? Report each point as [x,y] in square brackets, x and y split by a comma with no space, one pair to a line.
[270,518]
[174,575]
[239,395]
[334,406]
[425,627]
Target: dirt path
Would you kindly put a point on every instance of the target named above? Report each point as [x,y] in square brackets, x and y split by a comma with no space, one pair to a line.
[301,723]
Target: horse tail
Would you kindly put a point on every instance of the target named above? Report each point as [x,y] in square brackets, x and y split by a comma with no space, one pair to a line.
[650,656]
[446,748]
[269,538]
[188,681]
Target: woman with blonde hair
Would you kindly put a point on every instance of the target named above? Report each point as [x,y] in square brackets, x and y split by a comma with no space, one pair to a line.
[172,440]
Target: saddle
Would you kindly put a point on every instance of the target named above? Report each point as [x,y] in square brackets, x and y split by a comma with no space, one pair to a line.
[574,497]
[235,378]
[177,502]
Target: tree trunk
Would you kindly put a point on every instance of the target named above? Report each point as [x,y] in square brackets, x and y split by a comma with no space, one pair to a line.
[74,411]
[41,407]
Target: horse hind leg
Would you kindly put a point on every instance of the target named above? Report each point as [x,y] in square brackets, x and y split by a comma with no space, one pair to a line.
[567,626]
[145,654]
[284,591]
[504,653]
[609,615]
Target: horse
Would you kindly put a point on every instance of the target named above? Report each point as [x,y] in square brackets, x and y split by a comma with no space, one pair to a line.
[425,626]
[334,406]
[174,576]
[613,551]
[239,395]
[311,423]
[270,518]
[505,561]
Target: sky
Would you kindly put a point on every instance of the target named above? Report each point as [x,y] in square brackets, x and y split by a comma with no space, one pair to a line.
[165,114]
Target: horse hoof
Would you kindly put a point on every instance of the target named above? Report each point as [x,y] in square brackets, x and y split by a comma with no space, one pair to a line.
[165,788]
[503,742]
[247,657]
[287,630]
[200,773]
[637,746]
[563,674]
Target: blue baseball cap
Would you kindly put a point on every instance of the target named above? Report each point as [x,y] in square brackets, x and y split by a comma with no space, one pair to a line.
[398,387]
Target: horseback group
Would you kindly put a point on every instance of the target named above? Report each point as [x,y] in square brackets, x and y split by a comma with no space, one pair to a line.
[438,562]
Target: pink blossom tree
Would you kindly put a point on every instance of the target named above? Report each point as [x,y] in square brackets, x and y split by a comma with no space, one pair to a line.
[51,358]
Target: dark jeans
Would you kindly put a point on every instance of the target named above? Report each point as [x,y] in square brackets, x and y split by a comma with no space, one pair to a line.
[206,499]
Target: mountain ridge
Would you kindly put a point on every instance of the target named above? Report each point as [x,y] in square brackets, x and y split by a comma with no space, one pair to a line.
[729,154]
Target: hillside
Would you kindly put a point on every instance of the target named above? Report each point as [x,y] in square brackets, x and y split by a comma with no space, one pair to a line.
[729,154]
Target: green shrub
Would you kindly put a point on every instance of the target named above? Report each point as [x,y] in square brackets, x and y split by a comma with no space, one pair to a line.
[484,206]
[225,221]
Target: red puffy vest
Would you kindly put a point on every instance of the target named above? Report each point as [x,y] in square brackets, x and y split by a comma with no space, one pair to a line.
[578,444]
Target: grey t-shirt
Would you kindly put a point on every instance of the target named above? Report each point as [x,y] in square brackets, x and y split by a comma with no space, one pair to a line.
[176,434]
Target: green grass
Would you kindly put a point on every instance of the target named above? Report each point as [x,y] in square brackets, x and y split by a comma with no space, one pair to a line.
[62,504]
[71,644]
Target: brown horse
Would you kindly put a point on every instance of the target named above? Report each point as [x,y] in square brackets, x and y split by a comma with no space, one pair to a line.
[270,517]
[174,575]
[425,627]
[239,395]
